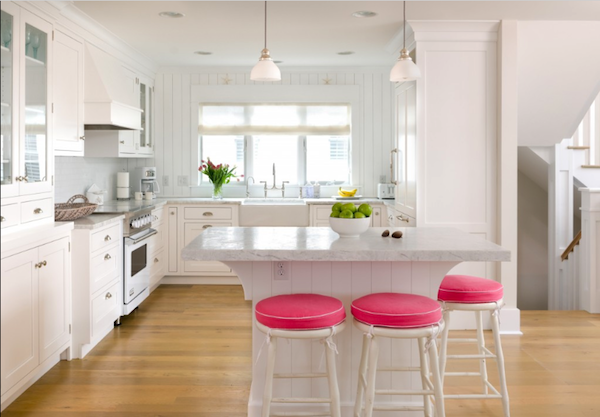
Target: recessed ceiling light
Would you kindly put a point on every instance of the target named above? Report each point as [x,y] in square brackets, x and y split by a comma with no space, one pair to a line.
[364,13]
[345,53]
[171,14]
[203,53]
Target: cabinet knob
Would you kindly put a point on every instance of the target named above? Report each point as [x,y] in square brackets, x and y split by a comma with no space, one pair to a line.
[38,211]
[107,238]
[107,257]
[2,219]
[172,213]
[122,142]
[108,296]
[156,260]
[377,213]
[38,265]
[82,137]
[22,179]
[206,226]
[207,214]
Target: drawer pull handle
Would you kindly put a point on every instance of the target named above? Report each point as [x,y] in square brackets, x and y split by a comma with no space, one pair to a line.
[38,211]
[402,219]
[207,214]
[107,238]
[82,137]
[107,257]
[2,219]
[108,296]
[155,260]
[41,264]
[206,226]
[122,142]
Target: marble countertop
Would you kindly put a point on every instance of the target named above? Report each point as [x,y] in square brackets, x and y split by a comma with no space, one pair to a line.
[240,201]
[96,221]
[128,206]
[322,244]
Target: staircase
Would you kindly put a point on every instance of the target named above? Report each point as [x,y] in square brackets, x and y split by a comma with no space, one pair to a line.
[585,146]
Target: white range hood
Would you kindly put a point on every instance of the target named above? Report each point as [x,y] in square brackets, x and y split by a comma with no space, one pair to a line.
[111,94]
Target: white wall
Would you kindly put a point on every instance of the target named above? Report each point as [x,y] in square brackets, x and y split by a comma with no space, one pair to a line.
[174,130]
[532,269]
[559,77]
[74,175]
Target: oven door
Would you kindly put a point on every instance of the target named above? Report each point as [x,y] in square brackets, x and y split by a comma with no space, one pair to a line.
[136,274]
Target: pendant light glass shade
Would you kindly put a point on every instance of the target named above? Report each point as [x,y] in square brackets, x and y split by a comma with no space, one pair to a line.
[265,69]
[405,69]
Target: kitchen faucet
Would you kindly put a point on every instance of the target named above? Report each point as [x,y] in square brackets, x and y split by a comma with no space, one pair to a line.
[248,185]
[274,187]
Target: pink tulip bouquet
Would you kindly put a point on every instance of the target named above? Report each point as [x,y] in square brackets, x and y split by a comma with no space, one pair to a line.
[218,175]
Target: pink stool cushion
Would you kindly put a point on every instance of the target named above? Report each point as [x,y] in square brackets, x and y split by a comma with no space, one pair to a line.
[469,290]
[396,310]
[300,312]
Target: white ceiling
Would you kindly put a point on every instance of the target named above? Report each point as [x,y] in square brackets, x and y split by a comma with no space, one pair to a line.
[301,33]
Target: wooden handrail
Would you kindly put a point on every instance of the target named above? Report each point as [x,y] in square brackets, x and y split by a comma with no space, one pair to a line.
[571,247]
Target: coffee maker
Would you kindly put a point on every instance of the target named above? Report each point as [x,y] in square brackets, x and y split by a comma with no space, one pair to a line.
[144,179]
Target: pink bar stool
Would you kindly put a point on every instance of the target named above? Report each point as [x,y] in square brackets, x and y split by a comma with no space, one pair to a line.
[301,316]
[398,316]
[467,293]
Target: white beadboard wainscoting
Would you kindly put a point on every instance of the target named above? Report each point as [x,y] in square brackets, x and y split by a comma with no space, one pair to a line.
[74,175]
[175,133]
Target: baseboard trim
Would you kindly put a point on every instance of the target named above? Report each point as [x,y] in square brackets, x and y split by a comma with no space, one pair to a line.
[200,280]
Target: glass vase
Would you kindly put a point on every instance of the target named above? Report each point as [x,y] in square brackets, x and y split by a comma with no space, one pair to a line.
[217,192]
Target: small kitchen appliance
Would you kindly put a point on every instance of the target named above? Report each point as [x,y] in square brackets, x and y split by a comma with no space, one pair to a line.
[386,191]
[144,179]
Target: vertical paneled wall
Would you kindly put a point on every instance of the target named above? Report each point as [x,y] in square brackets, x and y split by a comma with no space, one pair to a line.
[174,132]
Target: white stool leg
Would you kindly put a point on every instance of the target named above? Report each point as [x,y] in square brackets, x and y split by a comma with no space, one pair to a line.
[444,344]
[480,345]
[362,376]
[437,381]
[371,374]
[500,361]
[424,376]
[268,393]
[334,391]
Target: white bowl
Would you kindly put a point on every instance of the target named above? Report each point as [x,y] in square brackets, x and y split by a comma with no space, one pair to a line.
[349,227]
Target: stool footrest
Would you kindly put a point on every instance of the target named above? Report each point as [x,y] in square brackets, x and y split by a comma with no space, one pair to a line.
[484,356]
[301,414]
[398,408]
[463,374]
[403,392]
[305,375]
[463,340]
[399,369]
[302,400]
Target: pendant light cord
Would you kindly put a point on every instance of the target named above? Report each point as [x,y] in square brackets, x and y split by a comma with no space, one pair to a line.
[404,25]
[265,25]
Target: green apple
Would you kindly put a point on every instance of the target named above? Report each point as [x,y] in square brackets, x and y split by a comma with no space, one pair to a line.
[346,214]
[359,215]
[349,206]
[335,213]
[337,207]
[365,209]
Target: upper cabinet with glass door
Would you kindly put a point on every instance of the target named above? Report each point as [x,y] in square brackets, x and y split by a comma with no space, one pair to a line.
[9,169]
[146,139]
[35,166]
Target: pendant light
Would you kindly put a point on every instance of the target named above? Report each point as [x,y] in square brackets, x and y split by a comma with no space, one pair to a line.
[405,69]
[265,69]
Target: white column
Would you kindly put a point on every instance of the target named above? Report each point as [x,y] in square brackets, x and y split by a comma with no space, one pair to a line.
[590,250]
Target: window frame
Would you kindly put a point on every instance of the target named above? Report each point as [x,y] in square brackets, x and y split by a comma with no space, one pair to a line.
[278,94]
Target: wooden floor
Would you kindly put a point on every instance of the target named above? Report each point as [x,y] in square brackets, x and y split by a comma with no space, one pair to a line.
[187,352]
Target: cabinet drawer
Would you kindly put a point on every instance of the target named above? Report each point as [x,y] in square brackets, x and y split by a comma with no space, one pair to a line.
[323,212]
[105,267]
[10,215]
[157,264]
[106,237]
[207,213]
[36,210]
[159,217]
[106,308]
[155,243]
[190,232]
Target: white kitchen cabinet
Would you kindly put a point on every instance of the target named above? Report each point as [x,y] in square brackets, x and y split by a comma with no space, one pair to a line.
[146,134]
[115,144]
[27,151]
[67,108]
[156,252]
[172,239]
[405,152]
[97,293]
[36,315]
[319,215]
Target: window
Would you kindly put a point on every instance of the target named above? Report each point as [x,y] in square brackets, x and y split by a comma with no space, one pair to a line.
[306,142]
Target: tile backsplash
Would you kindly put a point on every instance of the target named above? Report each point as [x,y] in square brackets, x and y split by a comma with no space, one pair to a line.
[74,175]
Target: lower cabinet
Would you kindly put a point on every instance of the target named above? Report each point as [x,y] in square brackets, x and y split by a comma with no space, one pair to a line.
[35,310]
[156,259]
[319,215]
[98,291]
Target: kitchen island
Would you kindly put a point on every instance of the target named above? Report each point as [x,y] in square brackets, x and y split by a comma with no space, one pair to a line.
[272,261]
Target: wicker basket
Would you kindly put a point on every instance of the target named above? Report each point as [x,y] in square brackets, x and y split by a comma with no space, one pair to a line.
[68,211]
